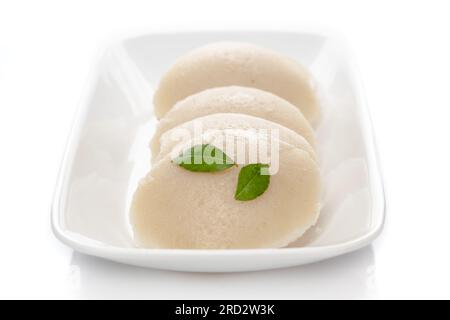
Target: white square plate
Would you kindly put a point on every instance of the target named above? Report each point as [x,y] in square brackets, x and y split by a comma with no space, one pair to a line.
[108,153]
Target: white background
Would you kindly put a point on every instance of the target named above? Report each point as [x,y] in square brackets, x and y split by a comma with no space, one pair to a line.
[403,50]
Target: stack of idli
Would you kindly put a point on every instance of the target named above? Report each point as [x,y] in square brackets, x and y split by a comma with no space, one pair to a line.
[254,107]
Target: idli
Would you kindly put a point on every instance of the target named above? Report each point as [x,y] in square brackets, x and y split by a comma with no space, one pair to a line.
[242,64]
[205,127]
[180,209]
[234,99]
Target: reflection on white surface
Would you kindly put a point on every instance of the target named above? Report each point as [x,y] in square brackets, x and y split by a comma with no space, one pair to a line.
[102,163]
[348,276]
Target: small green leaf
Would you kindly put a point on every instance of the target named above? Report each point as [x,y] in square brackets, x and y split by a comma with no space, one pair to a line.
[251,182]
[204,158]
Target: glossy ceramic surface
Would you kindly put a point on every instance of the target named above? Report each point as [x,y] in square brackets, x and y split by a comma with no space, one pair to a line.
[108,153]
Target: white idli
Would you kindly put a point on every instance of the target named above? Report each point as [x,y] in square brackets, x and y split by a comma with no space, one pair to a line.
[233,63]
[179,209]
[206,126]
[234,99]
